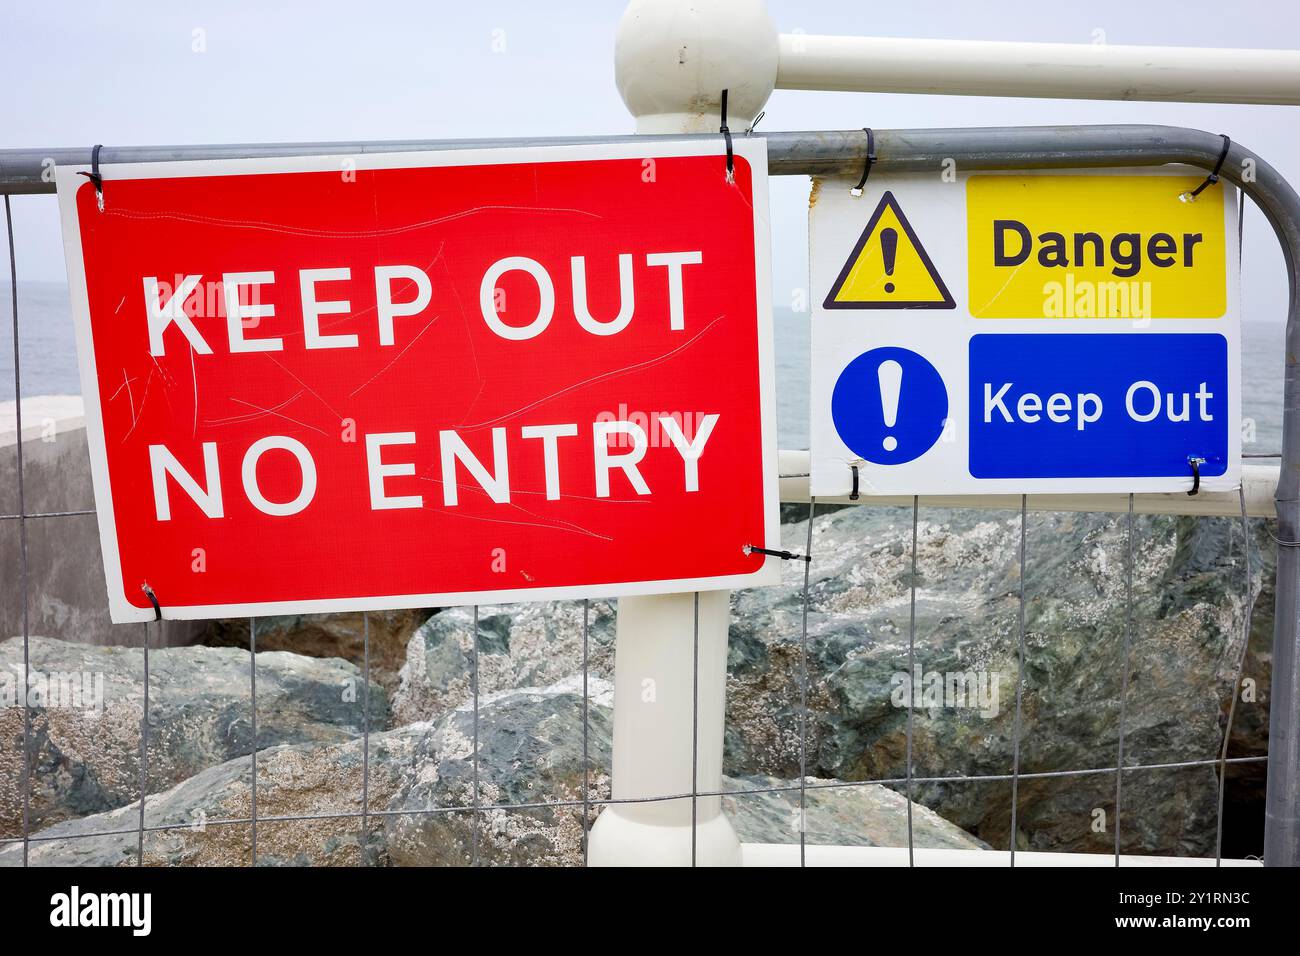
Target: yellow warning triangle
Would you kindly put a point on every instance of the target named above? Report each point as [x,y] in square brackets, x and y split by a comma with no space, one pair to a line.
[889,268]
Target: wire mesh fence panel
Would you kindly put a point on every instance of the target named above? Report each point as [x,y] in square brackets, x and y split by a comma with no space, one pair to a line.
[491,810]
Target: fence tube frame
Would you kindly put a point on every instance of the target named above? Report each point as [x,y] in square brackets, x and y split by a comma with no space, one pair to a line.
[25,171]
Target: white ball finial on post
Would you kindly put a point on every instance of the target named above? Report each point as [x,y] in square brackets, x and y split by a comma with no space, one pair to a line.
[673,59]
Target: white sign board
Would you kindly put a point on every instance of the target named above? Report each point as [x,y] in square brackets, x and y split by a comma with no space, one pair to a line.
[1025,332]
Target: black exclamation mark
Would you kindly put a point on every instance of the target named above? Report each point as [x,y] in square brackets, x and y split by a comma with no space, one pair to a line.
[889,246]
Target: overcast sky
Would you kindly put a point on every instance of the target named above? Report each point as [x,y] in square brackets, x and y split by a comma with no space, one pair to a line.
[126,73]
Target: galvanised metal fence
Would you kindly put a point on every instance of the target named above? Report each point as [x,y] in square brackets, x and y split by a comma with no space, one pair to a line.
[812,154]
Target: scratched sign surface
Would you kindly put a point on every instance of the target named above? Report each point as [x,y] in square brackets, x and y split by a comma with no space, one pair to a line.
[406,380]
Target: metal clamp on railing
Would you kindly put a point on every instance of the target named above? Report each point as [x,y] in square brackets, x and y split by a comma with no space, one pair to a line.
[95,178]
[856,191]
[1213,178]
[783,555]
[153,599]
[726,134]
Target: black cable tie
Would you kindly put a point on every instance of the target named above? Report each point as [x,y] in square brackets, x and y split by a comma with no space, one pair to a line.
[871,161]
[783,555]
[1196,464]
[853,495]
[153,599]
[1213,178]
[726,134]
[95,178]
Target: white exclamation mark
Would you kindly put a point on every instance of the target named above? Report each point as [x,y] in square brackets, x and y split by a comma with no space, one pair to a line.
[890,374]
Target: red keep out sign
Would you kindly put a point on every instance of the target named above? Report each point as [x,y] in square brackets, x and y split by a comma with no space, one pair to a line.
[331,383]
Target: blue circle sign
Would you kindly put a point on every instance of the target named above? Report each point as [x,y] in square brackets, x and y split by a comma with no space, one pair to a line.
[889,406]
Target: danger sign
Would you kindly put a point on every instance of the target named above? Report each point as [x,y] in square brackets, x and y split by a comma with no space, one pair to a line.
[1080,334]
[1118,250]
[412,380]
[888,268]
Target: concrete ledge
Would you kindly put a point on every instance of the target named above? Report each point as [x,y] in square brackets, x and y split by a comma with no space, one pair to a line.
[1258,481]
[787,854]
[66,594]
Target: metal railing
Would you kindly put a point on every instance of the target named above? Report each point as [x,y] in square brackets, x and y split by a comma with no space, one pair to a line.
[25,171]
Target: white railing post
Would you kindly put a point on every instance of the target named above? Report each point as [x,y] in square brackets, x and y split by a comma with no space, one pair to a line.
[672,60]
[1092,71]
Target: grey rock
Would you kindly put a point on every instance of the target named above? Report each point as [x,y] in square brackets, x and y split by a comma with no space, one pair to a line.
[85,751]
[1189,603]
[530,746]
[1188,629]
[530,752]
[519,645]
[420,782]
[1189,617]
[835,815]
[204,821]
[342,635]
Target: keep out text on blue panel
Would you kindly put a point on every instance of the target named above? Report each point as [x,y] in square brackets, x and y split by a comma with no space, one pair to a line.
[1098,406]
